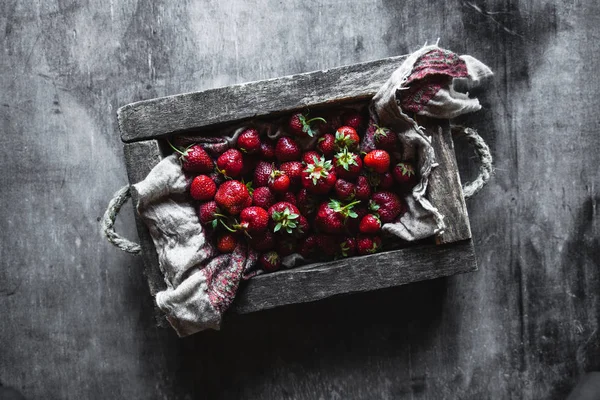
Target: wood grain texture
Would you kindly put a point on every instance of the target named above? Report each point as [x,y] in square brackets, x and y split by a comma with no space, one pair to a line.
[358,274]
[184,112]
[445,189]
[77,317]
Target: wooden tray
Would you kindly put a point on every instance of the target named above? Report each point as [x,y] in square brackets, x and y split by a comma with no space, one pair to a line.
[144,124]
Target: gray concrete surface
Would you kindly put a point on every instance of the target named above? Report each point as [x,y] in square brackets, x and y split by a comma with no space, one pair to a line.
[77,317]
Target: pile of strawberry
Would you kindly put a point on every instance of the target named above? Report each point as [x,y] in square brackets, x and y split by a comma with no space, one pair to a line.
[324,202]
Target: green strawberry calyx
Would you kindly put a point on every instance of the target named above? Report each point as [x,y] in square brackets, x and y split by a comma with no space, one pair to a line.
[306,128]
[345,159]
[406,169]
[319,169]
[345,210]
[286,220]
[272,257]
[381,131]
[342,140]
[374,207]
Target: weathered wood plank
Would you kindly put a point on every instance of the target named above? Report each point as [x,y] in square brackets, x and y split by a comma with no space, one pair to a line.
[445,190]
[140,158]
[174,114]
[359,274]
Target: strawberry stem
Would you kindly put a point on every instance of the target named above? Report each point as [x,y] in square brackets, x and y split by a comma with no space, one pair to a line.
[227,227]
[175,148]
[316,119]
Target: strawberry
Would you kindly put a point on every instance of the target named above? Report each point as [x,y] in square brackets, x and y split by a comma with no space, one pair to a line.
[347,248]
[203,188]
[262,173]
[353,224]
[326,144]
[362,190]
[307,247]
[352,118]
[328,244]
[232,196]
[368,244]
[263,242]
[331,217]
[303,227]
[287,149]
[263,197]
[319,177]
[302,127]
[347,165]
[370,224]
[226,243]
[253,220]
[248,201]
[346,137]
[270,261]
[194,159]
[248,141]
[309,157]
[333,122]
[378,161]
[209,214]
[386,180]
[306,202]
[230,163]
[267,150]
[404,173]
[290,197]
[388,204]
[284,217]
[293,169]
[286,246]
[344,190]
[384,139]
[279,182]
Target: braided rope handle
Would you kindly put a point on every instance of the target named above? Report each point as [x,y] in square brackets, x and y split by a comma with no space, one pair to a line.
[482,151]
[108,222]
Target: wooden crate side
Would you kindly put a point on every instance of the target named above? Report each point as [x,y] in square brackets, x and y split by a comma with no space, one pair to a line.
[164,116]
[359,274]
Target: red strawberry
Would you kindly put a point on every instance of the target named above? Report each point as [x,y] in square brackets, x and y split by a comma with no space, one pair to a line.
[249,141]
[368,244]
[353,119]
[226,243]
[263,197]
[263,242]
[344,189]
[203,188]
[386,180]
[232,196]
[270,261]
[253,220]
[389,206]
[353,224]
[248,201]
[290,197]
[309,157]
[326,144]
[287,149]
[306,202]
[348,247]
[279,182]
[331,217]
[378,161]
[347,165]
[319,177]
[230,163]
[404,173]
[262,173]
[284,217]
[384,139]
[362,189]
[346,137]
[209,214]
[302,127]
[293,169]
[307,247]
[286,246]
[194,159]
[370,224]
[328,244]
[267,150]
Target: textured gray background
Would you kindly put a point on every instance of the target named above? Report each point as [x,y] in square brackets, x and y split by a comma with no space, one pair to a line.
[76,314]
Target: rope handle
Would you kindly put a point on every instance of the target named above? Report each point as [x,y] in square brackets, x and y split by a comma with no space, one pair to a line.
[482,151]
[108,222]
